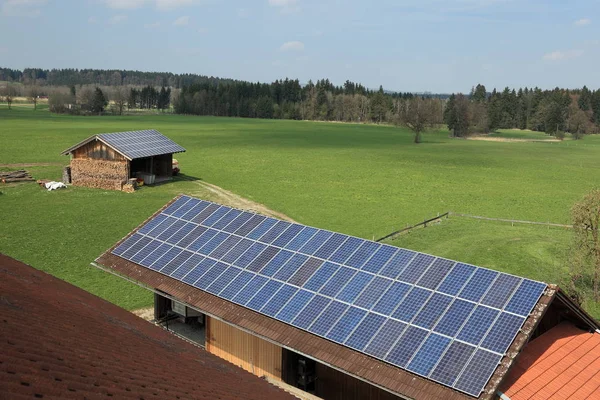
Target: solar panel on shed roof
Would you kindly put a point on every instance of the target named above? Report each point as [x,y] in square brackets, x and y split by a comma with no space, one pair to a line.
[446,321]
[139,144]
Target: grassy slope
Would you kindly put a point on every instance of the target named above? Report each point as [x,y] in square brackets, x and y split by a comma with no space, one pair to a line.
[361,180]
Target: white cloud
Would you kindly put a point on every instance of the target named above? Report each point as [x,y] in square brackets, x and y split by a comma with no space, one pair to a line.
[286,6]
[22,8]
[153,25]
[117,19]
[563,55]
[163,5]
[583,22]
[171,4]
[292,46]
[125,4]
[182,21]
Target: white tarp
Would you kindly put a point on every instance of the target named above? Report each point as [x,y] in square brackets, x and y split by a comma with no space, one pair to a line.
[54,185]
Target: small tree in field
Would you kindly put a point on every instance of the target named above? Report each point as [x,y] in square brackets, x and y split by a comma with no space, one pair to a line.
[33,92]
[9,93]
[586,253]
[417,114]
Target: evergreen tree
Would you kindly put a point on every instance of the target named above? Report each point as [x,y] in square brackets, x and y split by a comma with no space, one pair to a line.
[98,101]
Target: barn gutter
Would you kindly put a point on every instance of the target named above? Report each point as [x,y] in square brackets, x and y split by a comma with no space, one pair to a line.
[170,297]
[502,396]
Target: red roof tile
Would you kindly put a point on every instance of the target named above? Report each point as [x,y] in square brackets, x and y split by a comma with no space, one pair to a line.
[58,341]
[563,363]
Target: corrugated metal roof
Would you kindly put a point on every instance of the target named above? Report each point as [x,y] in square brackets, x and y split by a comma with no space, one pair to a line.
[135,144]
[61,342]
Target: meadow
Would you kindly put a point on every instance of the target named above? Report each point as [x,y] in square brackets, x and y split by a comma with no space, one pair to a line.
[363,180]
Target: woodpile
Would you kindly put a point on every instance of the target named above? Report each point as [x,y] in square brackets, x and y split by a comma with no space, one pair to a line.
[99,174]
[15,176]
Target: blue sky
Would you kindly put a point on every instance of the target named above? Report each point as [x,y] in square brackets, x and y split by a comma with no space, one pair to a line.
[405,45]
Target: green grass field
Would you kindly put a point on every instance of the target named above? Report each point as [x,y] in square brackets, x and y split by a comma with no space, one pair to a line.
[358,179]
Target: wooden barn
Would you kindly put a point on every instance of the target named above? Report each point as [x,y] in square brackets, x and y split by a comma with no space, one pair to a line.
[109,160]
[343,318]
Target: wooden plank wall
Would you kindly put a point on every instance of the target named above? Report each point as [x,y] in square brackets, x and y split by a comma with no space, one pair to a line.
[98,151]
[249,352]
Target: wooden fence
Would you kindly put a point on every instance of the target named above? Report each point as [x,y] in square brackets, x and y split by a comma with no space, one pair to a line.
[395,234]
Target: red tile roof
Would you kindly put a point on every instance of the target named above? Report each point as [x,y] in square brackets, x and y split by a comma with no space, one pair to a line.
[563,363]
[58,341]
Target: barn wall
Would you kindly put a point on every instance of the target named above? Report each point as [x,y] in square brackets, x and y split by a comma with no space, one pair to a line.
[249,352]
[332,384]
[99,174]
[98,151]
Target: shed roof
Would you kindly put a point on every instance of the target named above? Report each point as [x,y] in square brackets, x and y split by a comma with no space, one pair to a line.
[563,363]
[338,356]
[59,341]
[134,144]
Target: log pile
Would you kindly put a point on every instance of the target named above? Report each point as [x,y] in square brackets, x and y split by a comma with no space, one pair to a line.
[15,176]
[99,174]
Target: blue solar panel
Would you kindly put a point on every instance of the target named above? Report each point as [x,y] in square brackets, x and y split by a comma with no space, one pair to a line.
[478,372]
[275,264]
[385,338]
[456,279]
[248,226]
[379,259]
[406,346]
[330,245]
[274,232]
[452,362]
[478,285]
[237,222]
[525,297]
[249,290]
[279,300]
[264,295]
[416,268]
[429,354]
[294,306]
[315,242]
[320,277]
[411,304]
[428,321]
[227,218]
[337,281]
[301,238]
[397,264]
[287,235]
[354,287]
[391,298]
[455,317]
[312,310]
[373,292]
[365,331]
[345,325]
[477,325]
[328,318]
[346,250]
[305,271]
[290,267]
[432,310]
[362,254]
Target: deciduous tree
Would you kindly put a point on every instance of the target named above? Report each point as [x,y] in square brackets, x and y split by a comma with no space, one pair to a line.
[585,265]
[417,114]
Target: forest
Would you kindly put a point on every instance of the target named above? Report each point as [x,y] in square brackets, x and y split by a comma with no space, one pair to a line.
[556,112]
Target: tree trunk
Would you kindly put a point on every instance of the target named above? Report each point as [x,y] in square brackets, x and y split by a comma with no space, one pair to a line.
[417,137]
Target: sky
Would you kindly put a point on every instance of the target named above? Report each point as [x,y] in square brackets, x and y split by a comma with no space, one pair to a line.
[439,46]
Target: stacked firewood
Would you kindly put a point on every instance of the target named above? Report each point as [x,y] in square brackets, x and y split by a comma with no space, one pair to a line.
[99,174]
[15,176]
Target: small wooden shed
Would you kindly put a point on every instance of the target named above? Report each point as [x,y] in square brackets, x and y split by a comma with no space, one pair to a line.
[108,160]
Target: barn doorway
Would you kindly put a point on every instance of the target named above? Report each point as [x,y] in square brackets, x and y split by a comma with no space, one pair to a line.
[152,170]
[180,319]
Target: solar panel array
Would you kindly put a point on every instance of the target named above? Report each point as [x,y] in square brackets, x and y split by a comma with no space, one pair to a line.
[446,321]
[139,144]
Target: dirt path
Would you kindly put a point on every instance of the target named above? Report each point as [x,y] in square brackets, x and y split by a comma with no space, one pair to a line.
[24,165]
[501,139]
[231,199]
